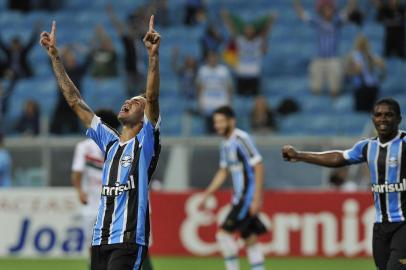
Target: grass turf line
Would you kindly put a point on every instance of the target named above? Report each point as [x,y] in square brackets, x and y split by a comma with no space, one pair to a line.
[185,263]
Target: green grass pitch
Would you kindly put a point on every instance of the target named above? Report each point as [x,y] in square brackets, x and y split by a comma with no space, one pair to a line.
[186,263]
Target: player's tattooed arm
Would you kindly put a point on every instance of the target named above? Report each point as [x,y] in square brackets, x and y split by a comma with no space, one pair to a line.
[67,87]
[151,41]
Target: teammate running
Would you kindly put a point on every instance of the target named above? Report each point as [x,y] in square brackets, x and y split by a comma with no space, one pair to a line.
[121,231]
[240,158]
[386,158]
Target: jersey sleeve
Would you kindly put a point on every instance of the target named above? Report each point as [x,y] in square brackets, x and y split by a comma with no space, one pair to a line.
[101,134]
[223,161]
[147,136]
[356,154]
[247,145]
[79,160]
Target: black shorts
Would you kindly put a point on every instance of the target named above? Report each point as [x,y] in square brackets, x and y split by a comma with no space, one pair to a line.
[248,86]
[121,256]
[389,245]
[246,225]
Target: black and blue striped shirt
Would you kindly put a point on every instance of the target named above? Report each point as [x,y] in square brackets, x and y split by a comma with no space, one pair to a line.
[387,166]
[123,214]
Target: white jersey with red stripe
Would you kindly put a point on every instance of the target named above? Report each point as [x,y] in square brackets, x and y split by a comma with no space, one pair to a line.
[88,159]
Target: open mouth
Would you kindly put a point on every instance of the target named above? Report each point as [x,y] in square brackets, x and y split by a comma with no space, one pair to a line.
[125,109]
[383,127]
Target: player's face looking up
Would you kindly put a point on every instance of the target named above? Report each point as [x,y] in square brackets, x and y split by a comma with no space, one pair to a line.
[223,125]
[386,121]
[132,111]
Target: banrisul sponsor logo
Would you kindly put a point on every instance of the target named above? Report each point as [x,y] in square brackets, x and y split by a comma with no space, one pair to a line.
[389,187]
[118,188]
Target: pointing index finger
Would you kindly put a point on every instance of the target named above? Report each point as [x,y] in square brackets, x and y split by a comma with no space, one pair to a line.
[151,23]
[53,29]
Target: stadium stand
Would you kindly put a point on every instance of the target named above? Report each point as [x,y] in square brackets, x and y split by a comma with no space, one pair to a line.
[284,74]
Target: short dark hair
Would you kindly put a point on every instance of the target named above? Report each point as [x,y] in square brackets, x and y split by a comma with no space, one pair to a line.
[227,111]
[392,103]
[108,117]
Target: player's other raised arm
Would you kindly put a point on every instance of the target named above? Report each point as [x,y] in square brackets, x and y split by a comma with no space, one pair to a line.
[151,41]
[67,87]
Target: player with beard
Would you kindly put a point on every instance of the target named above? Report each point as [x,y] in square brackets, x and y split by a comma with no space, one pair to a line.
[386,158]
[121,231]
[240,158]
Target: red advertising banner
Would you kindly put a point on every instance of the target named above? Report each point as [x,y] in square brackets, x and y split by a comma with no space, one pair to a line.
[330,224]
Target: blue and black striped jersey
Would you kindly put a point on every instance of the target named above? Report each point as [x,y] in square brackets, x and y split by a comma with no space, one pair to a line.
[123,214]
[387,167]
[239,155]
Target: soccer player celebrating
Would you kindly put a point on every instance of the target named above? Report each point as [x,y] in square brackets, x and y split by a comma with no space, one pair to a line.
[241,159]
[121,231]
[385,155]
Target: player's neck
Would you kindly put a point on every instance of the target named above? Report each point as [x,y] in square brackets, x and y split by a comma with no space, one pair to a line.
[230,133]
[129,132]
[389,137]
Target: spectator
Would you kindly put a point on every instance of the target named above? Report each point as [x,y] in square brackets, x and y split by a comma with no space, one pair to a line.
[17,55]
[161,10]
[5,165]
[326,66]
[214,88]
[251,46]
[211,40]
[64,119]
[131,34]
[186,72]
[20,5]
[103,57]
[367,70]
[339,180]
[391,14]
[194,12]
[262,117]
[5,94]
[29,122]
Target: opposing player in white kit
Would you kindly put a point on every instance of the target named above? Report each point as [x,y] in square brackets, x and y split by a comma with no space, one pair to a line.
[86,174]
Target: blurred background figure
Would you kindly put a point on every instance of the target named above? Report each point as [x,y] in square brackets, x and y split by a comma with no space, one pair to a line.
[195,12]
[103,56]
[211,40]
[263,119]
[214,88]
[186,71]
[17,53]
[326,67]
[367,71]
[64,120]
[251,45]
[391,14]
[131,34]
[339,180]
[5,165]
[28,123]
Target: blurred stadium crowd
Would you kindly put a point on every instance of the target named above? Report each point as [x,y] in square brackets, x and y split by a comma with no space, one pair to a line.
[287,67]
[278,62]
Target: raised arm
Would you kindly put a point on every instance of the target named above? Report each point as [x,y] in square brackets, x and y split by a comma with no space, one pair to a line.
[331,159]
[151,41]
[117,24]
[259,186]
[66,86]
